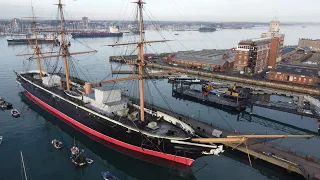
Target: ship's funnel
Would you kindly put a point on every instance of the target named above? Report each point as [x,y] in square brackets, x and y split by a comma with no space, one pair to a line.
[87,88]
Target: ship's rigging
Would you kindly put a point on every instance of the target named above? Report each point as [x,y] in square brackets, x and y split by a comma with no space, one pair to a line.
[141,63]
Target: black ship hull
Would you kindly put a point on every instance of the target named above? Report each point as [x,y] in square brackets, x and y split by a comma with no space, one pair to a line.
[95,35]
[207,29]
[32,41]
[156,150]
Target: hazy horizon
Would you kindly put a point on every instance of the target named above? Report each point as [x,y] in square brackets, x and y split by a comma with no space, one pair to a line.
[287,11]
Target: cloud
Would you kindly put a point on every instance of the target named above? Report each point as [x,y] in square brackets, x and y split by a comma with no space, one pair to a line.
[179,10]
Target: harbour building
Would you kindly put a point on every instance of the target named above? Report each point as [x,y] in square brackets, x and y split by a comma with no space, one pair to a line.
[252,55]
[297,74]
[207,59]
[255,55]
[288,53]
[313,44]
[276,46]
[85,22]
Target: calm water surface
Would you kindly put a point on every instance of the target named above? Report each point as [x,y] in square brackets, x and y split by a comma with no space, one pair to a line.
[33,132]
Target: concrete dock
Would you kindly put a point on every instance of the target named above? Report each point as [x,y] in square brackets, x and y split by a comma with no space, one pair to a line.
[260,83]
[305,165]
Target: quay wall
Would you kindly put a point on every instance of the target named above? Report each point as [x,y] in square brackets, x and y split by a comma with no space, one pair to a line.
[287,87]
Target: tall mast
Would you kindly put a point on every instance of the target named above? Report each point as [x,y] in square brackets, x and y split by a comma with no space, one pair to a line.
[64,46]
[141,63]
[141,60]
[24,168]
[37,50]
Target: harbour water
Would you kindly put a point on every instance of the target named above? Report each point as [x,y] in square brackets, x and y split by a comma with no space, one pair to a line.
[33,131]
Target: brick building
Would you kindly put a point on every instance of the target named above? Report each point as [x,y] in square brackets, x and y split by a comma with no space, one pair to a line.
[85,22]
[297,74]
[313,44]
[207,59]
[252,55]
[288,53]
[277,40]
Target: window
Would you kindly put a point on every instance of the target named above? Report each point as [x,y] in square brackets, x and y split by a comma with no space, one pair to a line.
[310,80]
[304,79]
[299,78]
[245,57]
[294,78]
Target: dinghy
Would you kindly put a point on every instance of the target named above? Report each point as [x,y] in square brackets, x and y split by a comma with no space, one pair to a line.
[15,113]
[57,144]
[78,158]
[1,140]
[4,104]
[89,161]
[108,176]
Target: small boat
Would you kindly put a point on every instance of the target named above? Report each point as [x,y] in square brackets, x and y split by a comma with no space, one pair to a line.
[1,137]
[78,158]
[74,151]
[57,144]
[89,161]
[15,113]
[4,104]
[184,78]
[108,176]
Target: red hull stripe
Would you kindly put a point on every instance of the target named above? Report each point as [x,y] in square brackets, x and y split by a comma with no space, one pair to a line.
[178,159]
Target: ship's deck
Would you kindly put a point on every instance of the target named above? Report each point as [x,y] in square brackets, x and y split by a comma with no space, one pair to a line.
[164,128]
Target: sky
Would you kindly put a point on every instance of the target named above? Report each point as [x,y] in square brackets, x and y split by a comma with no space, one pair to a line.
[171,10]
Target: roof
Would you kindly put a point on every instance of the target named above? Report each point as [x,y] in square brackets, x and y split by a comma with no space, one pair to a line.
[287,50]
[309,39]
[304,48]
[210,56]
[230,59]
[257,42]
[108,87]
[296,69]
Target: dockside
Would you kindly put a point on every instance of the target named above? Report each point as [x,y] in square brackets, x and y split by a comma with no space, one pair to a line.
[305,165]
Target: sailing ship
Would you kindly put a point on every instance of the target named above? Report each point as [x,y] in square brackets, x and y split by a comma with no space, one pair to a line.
[98,110]
[101,112]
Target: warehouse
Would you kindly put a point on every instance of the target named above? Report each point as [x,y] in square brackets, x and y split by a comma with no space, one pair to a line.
[297,74]
[211,60]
